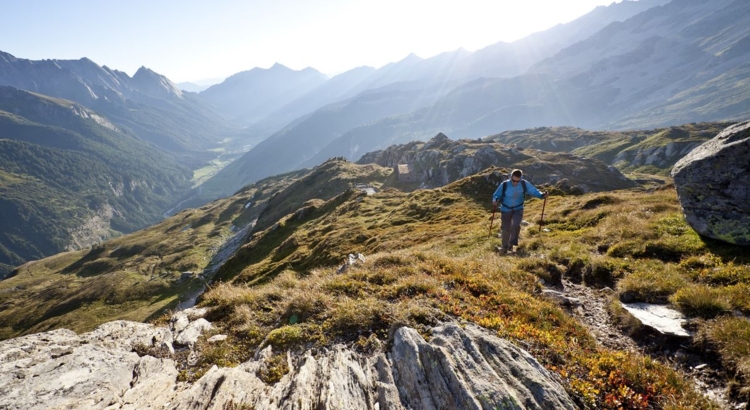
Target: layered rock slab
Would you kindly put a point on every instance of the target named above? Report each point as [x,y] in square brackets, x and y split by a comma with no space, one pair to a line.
[459,368]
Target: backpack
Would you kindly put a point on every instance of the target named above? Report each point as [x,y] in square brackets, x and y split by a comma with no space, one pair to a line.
[505,186]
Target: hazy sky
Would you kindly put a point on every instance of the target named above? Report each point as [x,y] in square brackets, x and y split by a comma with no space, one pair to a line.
[191,40]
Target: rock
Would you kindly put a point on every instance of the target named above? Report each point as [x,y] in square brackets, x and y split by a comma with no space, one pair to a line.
[469,368]
[351,260]
[195,313]
[459,368]
[56,371]
[126,335]
[154,381]
[560,298]
[658,317]
[192,332]
[713,184]
[217,338]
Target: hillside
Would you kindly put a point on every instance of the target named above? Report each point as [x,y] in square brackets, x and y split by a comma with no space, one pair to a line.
[293,146]
[70,178]
[644,151]
[428,260]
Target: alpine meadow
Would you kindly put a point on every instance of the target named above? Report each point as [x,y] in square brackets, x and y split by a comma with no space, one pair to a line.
[544,205]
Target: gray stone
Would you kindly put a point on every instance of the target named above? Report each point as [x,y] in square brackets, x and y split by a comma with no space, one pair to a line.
[190,335]
[560,298]
[713,184]
[658,317]
[459,368]
[217,338]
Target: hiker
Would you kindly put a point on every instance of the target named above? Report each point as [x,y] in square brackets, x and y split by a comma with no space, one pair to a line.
[510,196]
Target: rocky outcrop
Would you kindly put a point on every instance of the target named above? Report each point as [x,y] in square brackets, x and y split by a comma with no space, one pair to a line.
[441,161]
[713,184]
[459,368]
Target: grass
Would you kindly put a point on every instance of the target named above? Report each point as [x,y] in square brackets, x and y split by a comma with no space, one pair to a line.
[429,260]
[134,277]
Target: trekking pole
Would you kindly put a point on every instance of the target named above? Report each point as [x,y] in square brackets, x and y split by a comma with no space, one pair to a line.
[541,221]
[491,221]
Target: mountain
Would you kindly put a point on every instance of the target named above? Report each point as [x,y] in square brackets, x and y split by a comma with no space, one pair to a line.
[192,87]
[192,241]
[291,147]
[652,151]
[333,90]
[681,62]
[434,77]
[148,103]
[440,161]
[249,96]
[71,178]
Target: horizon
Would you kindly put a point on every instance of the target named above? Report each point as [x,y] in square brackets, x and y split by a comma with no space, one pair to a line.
[331,36]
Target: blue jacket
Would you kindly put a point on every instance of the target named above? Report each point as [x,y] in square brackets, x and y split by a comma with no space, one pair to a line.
[513,199]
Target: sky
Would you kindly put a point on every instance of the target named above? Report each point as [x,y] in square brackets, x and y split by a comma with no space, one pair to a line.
[191,40]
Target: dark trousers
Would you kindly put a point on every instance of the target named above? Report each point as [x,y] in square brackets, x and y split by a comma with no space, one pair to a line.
[510,227]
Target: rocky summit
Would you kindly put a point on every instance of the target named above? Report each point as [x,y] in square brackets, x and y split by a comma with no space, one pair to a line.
[460,367]
[713,184]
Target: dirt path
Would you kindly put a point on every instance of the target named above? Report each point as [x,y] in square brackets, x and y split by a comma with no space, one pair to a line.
[706,372]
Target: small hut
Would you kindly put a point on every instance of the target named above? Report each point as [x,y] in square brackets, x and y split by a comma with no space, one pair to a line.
[406,173]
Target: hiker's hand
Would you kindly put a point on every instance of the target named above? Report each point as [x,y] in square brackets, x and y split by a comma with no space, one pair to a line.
[545,194]
[494,203]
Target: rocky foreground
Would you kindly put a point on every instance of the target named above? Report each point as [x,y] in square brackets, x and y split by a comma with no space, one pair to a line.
[460,367]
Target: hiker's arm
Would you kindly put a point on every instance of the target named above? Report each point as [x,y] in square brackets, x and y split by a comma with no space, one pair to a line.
[533,191]
[496,195]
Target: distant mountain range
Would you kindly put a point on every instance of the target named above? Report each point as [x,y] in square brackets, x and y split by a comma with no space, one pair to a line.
[682,62]
[148,103]
[352,133]
[250,96]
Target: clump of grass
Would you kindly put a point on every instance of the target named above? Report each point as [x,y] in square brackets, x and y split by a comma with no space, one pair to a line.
[285,337]
[274,368]
[604,271]
[352,318]
[730,337]
[701,301]
[652,282]
[623,318]
[545,269]
[739,295]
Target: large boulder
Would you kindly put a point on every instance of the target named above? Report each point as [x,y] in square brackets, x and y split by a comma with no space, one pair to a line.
[713,183]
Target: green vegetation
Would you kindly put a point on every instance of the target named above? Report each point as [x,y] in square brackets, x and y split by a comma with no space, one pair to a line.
[135,276]
[428,260]
[69,178]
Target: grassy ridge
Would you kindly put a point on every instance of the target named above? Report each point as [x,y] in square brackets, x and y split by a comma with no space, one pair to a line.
[132,277]
[430,260]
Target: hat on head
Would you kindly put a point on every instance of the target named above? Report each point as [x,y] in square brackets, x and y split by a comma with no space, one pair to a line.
[517,173]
